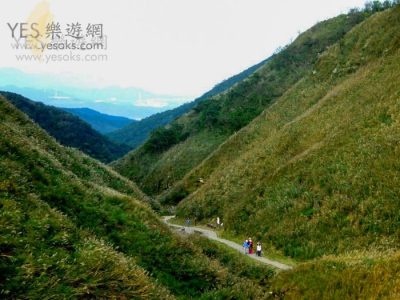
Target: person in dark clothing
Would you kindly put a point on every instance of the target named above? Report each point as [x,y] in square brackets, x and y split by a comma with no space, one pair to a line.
[250,246]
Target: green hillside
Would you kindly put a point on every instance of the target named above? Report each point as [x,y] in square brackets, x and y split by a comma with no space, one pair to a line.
[135,134]
[103,123]
[68,129]
[71,228]
[315,176]
[171,152]
[322,159]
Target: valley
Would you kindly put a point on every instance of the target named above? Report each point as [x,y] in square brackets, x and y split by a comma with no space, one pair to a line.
[300,152]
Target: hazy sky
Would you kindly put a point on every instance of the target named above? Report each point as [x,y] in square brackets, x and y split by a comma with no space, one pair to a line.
[181,47]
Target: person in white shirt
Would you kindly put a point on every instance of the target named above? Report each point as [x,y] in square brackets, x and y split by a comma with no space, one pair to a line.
[258,249]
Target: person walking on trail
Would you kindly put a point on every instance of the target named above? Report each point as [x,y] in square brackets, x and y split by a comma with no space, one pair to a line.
[188,222]
[250,246]
[258,249]
[246,247]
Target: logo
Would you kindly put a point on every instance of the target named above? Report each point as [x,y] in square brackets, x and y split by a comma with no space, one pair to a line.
[41,32]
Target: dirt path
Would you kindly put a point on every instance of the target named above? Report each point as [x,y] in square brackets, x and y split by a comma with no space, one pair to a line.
[212,235]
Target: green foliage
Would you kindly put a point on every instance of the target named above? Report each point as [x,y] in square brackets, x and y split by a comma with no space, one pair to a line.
[377,6]
[139,165]
[231,114]
[162,138]
[69,130]
[43,255]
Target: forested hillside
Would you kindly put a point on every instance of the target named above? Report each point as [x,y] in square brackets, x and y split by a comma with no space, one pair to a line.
[68,129]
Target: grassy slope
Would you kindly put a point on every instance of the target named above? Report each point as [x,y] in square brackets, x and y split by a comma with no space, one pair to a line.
[160,172]
[317,173]
[356,275]
[72,228]
[44,253]
[212,121]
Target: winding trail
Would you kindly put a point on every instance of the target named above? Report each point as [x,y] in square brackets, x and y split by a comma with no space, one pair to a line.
[213,235]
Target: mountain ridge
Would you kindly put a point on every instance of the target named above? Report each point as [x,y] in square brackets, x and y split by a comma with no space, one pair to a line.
[69,129]
[170,153]
[135,134]
[103,123]
[314,161]
[133,103]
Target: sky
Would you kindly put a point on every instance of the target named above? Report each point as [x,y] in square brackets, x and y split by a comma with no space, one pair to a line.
[176,47]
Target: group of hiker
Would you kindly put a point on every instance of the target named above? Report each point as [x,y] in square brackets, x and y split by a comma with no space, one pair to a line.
[248,244]
[248,247]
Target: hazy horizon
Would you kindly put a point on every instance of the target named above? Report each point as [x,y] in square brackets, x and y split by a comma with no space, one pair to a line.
[165,47]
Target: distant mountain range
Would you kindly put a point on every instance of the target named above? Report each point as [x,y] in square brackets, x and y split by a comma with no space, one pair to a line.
[61,91]
[101,122]
[68,130]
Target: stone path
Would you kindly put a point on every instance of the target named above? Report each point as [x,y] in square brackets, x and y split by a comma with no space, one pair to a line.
[212,235]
